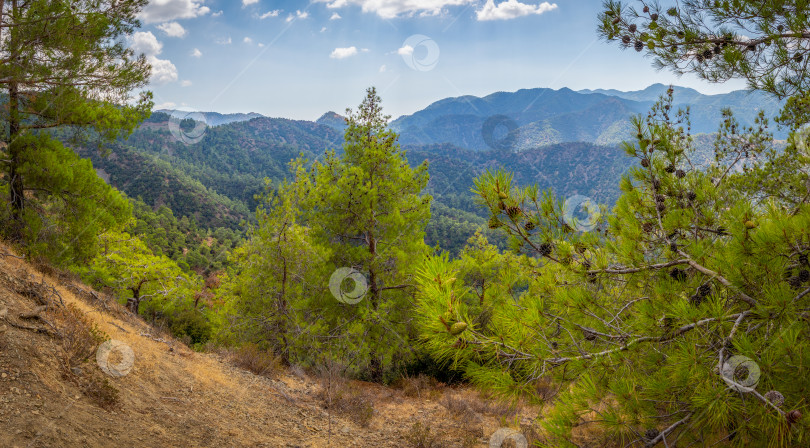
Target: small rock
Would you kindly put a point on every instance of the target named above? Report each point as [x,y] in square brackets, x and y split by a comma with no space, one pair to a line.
[35,412]
[76,371]
[345,430]
[3,375]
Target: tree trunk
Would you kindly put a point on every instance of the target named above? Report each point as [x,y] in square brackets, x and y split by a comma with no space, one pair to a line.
[15,179]
[134,302]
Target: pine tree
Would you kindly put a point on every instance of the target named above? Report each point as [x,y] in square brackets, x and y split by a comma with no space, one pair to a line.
[278,284]
[64,65]
[763,42]
[642,321]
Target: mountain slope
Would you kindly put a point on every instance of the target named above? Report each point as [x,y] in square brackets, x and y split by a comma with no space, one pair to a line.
[536,117]
[174,397]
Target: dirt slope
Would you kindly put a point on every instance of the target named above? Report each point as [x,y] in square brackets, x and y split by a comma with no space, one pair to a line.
[174,397]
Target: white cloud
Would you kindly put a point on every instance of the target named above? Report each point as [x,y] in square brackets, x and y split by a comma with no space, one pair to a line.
[261,45]
[511,9]
[163,71]
[382,68]
[298,15]
[389,9]
[185,83]
[247,40]
[172,29]
[196,53]
[158,11]
[323,30]
[407,50]
[335,16]
[224,41]
[273,13]
[342,53]
[249,2]
[145,42]
[216,14]
[167,105]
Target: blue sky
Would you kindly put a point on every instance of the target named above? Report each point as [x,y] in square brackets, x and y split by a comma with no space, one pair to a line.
[298,60]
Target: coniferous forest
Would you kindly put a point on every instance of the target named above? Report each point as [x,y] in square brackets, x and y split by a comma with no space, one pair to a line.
[644,255]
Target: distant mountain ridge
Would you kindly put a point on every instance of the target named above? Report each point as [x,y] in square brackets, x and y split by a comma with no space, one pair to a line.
[211,118]
[530,118]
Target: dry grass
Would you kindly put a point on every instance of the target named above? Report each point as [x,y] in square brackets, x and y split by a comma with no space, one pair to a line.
[253,359]
[342,396]
[80,336]
[420,436]
[419,386]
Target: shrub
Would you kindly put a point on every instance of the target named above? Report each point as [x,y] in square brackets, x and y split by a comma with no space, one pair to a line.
[252,358]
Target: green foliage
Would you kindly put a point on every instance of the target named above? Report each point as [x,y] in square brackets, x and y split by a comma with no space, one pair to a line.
[634,317]
[203,251]
[762,42]
[64,66]
[364,210]
[126,266]
[68,204]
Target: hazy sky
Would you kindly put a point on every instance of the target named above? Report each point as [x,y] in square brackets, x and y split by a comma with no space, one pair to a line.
[298,60]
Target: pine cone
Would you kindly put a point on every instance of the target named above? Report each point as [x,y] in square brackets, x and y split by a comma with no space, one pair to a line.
[670,169]
[638,45]
[775,397]
[803,259]
[804,275]
[646,8]
[707,54]
[626,39]
[704,289]
[677,274]
[653,17]
[691,196]
[647,227]
[645,162]
[794,416]
[752,47]
[513,211]
[660,198]
[661,207]
[656,184]
[651,433]
[588,335]
[695,300]
[529,226]
[794,282]
[632,28]
[544,249]
[494,223]
[680,174]
[673,246]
